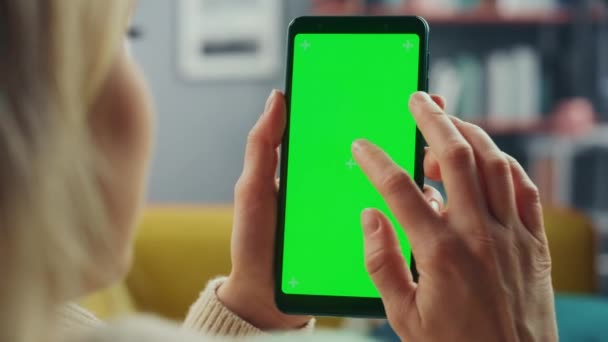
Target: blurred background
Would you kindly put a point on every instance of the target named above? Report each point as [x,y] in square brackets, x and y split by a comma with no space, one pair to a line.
[533,73]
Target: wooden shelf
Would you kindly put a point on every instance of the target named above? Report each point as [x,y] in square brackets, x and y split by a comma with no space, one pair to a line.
[483,17]
[513,126]
[486,15]
[474,19]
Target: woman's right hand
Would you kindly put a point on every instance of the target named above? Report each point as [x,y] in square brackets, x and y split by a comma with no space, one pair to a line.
[484,263]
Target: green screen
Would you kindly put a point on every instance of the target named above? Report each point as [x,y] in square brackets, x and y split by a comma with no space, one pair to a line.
[344,87]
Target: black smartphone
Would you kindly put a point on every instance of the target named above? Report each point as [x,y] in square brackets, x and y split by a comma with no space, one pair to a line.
[347,78]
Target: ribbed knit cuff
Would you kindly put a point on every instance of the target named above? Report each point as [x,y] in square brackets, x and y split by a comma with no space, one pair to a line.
[73,320]
[210,317]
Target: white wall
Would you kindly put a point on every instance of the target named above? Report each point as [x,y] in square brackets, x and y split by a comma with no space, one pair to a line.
[201,128]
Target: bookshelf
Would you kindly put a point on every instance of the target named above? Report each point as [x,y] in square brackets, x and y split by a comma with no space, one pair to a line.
[473,17]
[563,140]
[556,35]
[487,12]
[569,45]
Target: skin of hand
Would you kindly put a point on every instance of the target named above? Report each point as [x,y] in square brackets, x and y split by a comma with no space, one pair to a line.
[249,290]
[484,262]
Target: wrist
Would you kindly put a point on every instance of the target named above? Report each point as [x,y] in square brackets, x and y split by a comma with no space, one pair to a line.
[257,309]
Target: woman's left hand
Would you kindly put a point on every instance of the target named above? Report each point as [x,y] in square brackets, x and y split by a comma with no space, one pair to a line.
[249,290]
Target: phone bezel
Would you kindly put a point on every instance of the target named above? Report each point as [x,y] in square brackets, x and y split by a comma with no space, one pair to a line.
[330,305]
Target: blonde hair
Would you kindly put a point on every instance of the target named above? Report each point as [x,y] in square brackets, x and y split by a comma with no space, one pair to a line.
[54,57]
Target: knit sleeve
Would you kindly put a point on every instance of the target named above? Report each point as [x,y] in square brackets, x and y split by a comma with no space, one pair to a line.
[73,320]
[210,317]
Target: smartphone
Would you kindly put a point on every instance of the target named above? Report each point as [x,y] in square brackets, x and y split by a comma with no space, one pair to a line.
[347,78]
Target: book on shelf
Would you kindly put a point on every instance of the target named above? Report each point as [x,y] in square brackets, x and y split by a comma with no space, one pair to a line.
[471,103]
[514,85]
[527,83]
[500,86]
[522,6]
[590,184]
[444,79]
[504,88]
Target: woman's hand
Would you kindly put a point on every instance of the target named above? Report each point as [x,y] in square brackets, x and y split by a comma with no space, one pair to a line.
[249,290]
[484,263]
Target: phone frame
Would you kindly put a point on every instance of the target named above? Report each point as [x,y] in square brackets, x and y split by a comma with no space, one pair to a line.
[331,305]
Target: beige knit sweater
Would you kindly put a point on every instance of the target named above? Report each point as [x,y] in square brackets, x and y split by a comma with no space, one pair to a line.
[207,320]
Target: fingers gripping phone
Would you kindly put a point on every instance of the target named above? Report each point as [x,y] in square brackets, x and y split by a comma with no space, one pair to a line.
[347,78]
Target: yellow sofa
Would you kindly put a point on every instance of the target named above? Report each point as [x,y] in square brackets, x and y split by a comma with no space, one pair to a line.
[572,242]
[178,249]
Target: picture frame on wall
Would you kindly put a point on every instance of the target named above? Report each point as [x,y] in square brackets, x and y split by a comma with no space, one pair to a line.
[228,40]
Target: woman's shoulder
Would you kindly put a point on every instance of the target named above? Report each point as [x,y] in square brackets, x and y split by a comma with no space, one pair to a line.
[152,329]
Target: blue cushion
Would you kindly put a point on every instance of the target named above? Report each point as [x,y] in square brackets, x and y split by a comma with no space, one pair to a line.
[579,319]
[582,319]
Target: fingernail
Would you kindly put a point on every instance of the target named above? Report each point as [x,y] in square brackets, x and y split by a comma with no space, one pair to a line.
[270,101]
[360,144]
[370,221]
[424,100]
[453,118]
[434,205]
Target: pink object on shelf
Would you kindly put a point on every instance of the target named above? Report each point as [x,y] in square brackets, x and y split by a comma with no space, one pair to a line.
[573,117]
[337,7]
[428,8]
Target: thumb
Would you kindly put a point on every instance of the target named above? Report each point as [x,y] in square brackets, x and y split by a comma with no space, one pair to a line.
[385,263]
[264,138]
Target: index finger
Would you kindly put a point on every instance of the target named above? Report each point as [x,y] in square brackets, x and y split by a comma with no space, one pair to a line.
[453,152]
[398,189]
